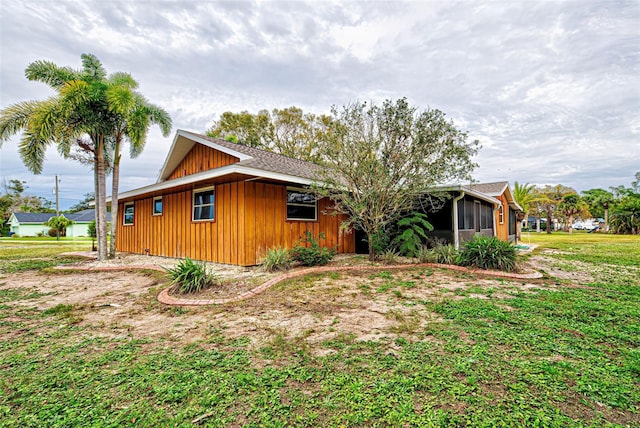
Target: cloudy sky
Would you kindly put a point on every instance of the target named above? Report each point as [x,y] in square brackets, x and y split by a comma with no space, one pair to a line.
[551,89]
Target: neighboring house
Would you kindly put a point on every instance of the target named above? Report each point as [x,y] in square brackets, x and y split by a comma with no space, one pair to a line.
[488,209]
[226,203]
[81,220]
[31,224]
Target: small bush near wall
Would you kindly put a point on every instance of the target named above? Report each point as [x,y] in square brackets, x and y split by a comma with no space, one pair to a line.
[314,255]
[276,258]
[190,276]
[488,253]
[445,254]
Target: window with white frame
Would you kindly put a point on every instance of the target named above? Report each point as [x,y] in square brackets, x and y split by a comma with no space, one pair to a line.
[203,204]
[157,205]
[301,205]
[501,214]
[129,210]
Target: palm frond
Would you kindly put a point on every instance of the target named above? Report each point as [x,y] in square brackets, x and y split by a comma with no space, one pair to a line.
[92,67]
[49,73]
[32,151]
[15,118]
[123,79]
[121,99]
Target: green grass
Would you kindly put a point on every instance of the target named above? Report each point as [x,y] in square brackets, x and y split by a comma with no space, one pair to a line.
[560,357]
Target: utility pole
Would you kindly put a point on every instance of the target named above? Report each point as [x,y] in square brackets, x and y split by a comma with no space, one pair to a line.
[57,210]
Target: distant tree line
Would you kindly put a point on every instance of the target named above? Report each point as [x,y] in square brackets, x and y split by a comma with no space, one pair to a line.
[619,207]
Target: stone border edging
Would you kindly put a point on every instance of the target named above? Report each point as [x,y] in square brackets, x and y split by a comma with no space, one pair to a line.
[165,298]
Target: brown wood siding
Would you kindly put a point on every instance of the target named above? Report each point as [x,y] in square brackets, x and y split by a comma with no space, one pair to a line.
[250,217]
[201,158]
[502,230]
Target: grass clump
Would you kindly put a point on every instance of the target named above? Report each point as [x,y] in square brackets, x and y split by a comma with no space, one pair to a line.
[190,276]
[445,254]
[276,259]
[314,254]
[488,253]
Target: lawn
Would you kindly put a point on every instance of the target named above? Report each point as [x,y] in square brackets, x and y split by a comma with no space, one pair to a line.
[424,347]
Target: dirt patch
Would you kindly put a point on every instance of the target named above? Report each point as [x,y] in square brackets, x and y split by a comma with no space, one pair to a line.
[367,305]
[573,271]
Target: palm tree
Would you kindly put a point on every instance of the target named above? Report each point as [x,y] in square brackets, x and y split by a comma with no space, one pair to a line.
[135,115]
[526,197]
[599,201]
[570,206]
[89,111]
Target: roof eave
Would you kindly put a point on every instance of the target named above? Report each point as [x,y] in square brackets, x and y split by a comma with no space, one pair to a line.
[215,173]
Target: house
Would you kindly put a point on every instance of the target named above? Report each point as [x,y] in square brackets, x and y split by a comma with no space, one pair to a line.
[81,220]
[29,224]
[226,203]
[32,224]
[466,210]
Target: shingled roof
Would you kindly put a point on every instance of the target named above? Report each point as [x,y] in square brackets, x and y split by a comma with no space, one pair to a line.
[266,160]
[37,218]
[492,189]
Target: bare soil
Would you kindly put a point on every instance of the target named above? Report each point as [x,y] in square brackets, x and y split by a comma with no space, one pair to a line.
[367,305]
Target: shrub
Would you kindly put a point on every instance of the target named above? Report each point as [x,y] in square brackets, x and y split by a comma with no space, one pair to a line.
[314,255]
[389,257]
[91,229]
[189,276]
[488,253]
[412,234]
[445,254]
[426,255]
[53,232]
[277,258]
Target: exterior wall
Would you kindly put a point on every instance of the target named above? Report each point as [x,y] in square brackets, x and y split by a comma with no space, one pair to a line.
[29,229]
[78,229]
[250,217]
[201,158]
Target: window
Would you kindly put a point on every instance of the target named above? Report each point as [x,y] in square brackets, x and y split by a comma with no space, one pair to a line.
[157,205]
[501,214]
[301,205]
[203,204]
[129,209]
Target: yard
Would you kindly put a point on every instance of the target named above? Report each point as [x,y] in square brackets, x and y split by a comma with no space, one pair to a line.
[417,347]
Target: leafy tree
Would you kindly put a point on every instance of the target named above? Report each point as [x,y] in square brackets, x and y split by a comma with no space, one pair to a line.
[548,199]
[289,131]
[377,161]
[571,206]
[243,128]
[14,200]
[599,201]
[84,203]
[625,213]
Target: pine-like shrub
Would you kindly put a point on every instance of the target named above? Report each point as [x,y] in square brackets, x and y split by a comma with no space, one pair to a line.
[314,254]
[412,234]
[488,253]
[190,276]
[275,259]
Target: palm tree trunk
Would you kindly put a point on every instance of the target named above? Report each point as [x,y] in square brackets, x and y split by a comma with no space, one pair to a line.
[96,192]
[115,184]
[606,220]
[548,221]
[101,213]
